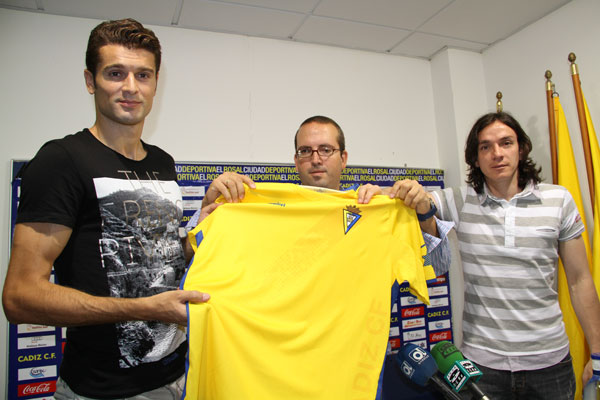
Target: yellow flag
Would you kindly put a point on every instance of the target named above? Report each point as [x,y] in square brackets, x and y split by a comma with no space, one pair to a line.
[567,177]
[595,150]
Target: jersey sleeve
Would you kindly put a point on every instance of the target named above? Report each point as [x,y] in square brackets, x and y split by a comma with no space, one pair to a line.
[51,190]
[195,237]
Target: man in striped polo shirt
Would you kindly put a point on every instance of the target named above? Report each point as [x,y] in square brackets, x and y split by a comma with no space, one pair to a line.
[511,230]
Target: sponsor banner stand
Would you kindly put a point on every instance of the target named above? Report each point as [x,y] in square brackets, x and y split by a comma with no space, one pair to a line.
[35,351]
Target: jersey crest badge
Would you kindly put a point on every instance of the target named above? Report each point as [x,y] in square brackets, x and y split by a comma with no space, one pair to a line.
[351,217]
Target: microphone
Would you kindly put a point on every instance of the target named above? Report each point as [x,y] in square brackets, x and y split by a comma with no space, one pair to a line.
[458,371]
[417,365]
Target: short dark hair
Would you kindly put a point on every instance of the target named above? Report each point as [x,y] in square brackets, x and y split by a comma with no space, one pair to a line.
[125,32]
[527,170]
[320,119]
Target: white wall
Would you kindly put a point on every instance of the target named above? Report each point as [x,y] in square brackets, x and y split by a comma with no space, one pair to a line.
[459,98]
[242,99]
[517,65]
[220,98]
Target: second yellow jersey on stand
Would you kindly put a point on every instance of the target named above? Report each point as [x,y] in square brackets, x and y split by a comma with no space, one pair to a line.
[300,293]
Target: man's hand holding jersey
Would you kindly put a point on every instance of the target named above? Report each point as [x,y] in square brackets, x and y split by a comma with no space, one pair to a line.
[414,195]
[230,185]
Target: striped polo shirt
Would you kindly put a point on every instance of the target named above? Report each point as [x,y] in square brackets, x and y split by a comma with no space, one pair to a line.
[509,252]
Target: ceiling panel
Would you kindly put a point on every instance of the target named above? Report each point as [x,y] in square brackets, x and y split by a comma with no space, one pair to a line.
[303,6]
[426,45]
[27,4]
[154,12]
[413,28]
[349,34]
[407,14]
[236,18]
[488,21]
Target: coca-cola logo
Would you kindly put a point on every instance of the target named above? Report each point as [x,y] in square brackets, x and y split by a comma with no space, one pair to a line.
[438,336]
[413,312]
[37,388]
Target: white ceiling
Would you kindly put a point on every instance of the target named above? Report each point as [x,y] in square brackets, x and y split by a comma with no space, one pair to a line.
[414,28]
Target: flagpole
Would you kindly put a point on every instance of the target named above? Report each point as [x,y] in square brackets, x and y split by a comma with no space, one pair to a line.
[585,138]
[551,125]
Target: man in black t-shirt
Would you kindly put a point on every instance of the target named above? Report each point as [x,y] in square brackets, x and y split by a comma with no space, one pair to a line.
[103,208]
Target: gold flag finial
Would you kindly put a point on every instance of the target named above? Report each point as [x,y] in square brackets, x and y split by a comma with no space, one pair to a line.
[499,102]
[572,58]
[549,84]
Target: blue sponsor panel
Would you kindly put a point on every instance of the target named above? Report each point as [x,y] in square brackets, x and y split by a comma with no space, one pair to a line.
[35,351]
[36,355]
[423,325]
[195,177]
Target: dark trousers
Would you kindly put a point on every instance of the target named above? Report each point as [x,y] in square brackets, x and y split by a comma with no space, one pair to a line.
[553,383]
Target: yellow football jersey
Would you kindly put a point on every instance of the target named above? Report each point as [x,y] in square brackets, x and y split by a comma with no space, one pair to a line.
[300,283]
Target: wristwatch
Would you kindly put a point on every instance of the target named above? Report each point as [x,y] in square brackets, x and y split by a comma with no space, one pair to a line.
[428,214]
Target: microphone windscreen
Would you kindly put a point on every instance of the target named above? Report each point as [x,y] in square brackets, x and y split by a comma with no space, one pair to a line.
[445,355]
[416,363]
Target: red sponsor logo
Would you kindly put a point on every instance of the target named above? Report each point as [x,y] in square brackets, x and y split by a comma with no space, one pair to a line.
[439,336]
[413,323]
[37,388]
[413,312]
[438,280]
[395,343]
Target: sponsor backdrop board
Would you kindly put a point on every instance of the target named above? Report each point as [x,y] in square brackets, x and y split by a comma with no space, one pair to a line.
[35,351]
